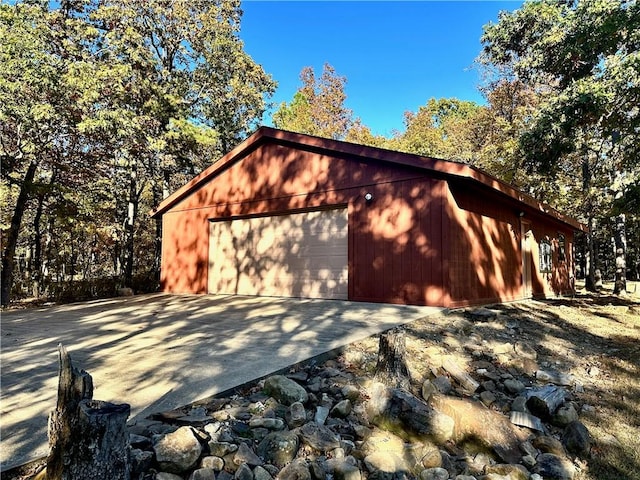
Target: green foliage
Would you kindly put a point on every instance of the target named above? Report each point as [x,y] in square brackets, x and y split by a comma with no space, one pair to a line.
[317,108]
[445,128]
[295,116]
[582,60]
[361,134]
[511,104]
[108,105]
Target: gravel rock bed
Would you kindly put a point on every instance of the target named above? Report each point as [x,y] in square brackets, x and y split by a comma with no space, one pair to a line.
[485,402]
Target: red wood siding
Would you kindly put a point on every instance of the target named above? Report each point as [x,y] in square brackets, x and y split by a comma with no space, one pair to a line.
[560,279]
[424,239]
[485,263]
[394,242]
[397,244]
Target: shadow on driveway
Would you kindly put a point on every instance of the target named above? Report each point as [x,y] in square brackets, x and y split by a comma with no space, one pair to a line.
[158,352]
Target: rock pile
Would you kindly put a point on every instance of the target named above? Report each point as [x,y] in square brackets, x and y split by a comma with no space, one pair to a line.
[483,420]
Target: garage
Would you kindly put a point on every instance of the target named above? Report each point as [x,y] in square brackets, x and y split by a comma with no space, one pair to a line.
[302,254]
[291,215]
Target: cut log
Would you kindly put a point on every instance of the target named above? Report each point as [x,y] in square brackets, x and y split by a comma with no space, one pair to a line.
[479,426]
[391,368]
[87,438]
[554,377]
[402,413]
[544,401]
[463,378]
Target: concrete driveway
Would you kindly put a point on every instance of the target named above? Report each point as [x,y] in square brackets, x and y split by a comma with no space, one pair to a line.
[158,352]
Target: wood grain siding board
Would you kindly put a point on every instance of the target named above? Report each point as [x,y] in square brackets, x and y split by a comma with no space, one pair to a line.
[559,280]
[184,247]
[415,267]
[435,229]
[403,263]
[351,245]
[272,173]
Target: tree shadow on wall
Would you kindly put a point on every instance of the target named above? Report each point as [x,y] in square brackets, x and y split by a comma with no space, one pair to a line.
[290,255]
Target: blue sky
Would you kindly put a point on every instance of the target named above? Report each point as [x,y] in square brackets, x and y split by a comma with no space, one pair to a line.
[395,55]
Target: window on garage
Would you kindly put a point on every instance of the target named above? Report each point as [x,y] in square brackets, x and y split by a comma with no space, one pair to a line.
[544,249]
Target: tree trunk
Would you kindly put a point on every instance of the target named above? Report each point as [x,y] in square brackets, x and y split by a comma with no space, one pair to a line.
[159,194]
[590,274]
[157,256]
[38,267]
[48,264]
[87,438]
[8,257]
[581,255]
[391,368]
[36,273]
[132,213]
[620,240]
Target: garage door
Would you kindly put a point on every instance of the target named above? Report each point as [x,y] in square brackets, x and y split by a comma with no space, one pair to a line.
[296,255]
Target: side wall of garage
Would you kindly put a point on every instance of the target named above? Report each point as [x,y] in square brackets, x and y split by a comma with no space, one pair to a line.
[485,263]
[487,258]
[558,280]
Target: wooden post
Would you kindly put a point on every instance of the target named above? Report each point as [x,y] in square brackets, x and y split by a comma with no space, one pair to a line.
[391,368]
[87,438]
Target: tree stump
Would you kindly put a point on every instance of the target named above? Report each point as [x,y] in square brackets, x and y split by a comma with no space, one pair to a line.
[87,438]
[391,368]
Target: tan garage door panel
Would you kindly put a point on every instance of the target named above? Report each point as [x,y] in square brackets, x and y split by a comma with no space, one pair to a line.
[298,255]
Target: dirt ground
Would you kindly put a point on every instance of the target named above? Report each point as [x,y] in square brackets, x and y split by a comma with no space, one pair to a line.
[595,338]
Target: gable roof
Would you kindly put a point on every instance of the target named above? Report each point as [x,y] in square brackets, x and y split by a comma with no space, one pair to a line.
[332,147]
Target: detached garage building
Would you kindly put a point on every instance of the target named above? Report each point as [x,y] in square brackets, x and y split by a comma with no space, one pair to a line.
[285,214]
